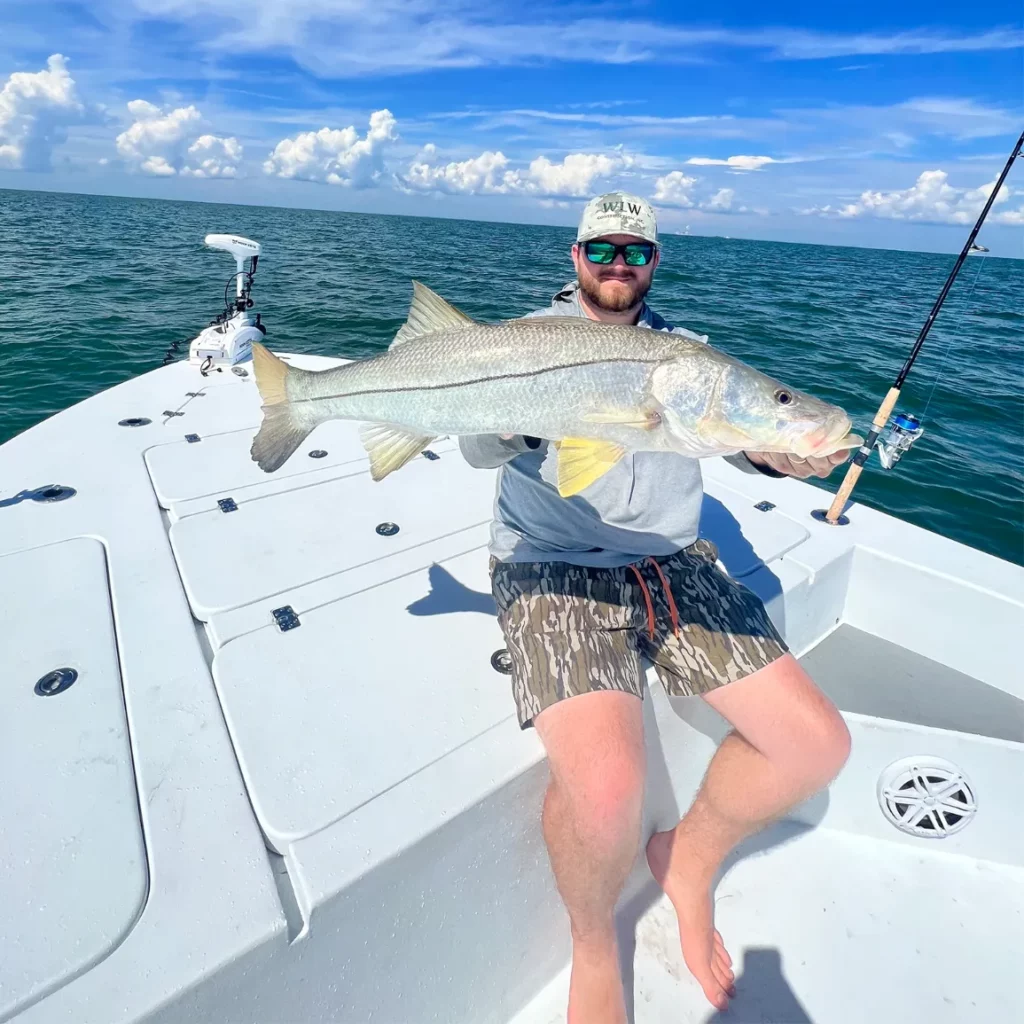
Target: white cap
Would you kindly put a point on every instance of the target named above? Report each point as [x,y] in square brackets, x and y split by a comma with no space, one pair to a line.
[618,213]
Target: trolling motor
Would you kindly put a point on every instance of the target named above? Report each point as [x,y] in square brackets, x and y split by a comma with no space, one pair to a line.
[228,340]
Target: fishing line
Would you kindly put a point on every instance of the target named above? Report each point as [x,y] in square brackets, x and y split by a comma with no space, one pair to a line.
[905,429]
[952,337]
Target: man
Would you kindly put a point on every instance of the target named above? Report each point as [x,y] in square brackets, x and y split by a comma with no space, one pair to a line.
[588,585]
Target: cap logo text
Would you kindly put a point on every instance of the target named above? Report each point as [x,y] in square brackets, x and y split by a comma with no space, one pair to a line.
[620,207]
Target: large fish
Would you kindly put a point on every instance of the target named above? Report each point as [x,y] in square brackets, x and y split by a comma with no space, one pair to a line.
[597,390]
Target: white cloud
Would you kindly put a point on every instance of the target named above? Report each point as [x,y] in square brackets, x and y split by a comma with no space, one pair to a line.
[738,163]
[677,189]
[575,175]
[721,201]
[168,142]
[36,109]
[484,174]
[674,189]
[931,199]
[213,157]
[336,156]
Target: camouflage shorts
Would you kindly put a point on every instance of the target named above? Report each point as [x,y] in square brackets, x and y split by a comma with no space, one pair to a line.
[572,629]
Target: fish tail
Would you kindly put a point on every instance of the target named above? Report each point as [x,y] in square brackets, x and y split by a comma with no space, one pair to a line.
[281,431]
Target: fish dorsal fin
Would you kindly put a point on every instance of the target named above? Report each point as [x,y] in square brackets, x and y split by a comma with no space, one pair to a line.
[582,460]
[428,313]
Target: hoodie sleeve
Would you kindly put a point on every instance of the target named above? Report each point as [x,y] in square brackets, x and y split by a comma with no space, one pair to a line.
[740,461]
[488,451]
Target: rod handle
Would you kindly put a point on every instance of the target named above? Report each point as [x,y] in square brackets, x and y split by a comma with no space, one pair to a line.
[835,510]
[886,408]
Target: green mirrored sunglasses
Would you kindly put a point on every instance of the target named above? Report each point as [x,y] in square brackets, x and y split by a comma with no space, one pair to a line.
[635,254]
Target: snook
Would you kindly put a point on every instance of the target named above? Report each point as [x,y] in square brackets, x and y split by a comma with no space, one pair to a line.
[597,390]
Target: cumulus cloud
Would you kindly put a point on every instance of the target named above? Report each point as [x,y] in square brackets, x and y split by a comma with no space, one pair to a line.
[678,190]
[573,176]
[674,188]
[36,109]
[737,163]
[721,201]
[336,156]
[484,174]
[931,198]
[213,157]
[168,142]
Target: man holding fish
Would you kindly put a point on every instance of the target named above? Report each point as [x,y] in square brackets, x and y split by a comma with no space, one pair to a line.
[572,586]
[598,412]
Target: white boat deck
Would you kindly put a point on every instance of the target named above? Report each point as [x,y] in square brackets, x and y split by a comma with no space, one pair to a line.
[225,820]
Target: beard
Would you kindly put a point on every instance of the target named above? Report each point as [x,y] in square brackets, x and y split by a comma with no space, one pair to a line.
[613,295]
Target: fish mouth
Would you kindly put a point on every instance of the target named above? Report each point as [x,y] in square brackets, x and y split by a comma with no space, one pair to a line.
[826,439]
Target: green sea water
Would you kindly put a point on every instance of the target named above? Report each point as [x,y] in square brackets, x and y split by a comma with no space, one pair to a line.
[94,289]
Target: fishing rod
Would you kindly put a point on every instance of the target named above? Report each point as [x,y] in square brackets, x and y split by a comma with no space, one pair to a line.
[906,429]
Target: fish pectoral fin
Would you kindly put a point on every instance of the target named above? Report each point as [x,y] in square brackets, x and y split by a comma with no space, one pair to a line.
[428,313]
[644,417]
[390,447]
[582,460]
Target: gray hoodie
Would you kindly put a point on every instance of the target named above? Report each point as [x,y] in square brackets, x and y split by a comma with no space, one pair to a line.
[647,504]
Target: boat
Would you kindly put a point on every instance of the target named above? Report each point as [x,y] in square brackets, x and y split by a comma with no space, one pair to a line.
[261,760]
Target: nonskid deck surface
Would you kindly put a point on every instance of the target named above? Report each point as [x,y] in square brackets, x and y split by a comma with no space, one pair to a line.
[825,927]
[216,760]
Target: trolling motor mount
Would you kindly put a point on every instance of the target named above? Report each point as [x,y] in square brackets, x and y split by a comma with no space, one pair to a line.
[229,337]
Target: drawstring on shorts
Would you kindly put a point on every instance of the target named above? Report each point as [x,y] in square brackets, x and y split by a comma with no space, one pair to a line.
[649,601]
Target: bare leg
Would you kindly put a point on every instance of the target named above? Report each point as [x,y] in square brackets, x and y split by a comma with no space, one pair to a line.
[591,823]
[789,741]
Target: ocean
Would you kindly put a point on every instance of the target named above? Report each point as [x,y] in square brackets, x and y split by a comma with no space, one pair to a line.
[94,290]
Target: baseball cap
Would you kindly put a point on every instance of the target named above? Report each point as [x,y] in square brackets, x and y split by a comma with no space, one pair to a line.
[618,213]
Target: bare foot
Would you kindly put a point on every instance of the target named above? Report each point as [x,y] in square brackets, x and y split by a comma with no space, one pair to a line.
[681,876]
[595,985]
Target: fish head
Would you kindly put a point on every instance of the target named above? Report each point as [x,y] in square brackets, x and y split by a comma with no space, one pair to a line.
[745,410]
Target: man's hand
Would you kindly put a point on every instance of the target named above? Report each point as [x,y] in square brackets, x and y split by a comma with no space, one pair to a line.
[791,465]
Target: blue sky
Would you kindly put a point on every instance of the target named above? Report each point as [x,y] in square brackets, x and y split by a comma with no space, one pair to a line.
[877,124]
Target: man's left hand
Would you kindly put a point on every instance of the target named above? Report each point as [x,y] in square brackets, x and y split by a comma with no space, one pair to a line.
[791,465]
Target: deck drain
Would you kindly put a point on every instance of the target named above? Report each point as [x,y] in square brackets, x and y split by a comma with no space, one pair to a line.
[134,421]
[501,661]
[926,797]
[55,682]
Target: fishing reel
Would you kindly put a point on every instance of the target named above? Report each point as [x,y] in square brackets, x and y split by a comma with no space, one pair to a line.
[896,438]
[228,340]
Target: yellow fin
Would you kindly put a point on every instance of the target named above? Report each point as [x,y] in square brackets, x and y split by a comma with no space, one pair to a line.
[582,460]
[271,374]
[428,313]
[645,417]
[390,447]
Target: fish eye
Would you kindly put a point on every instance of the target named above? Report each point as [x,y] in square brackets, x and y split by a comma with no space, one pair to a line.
[783,397]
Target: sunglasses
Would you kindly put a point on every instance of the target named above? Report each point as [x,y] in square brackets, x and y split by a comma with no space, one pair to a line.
[635,254]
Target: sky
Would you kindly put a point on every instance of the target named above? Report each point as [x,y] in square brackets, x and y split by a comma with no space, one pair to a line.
[877,124]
